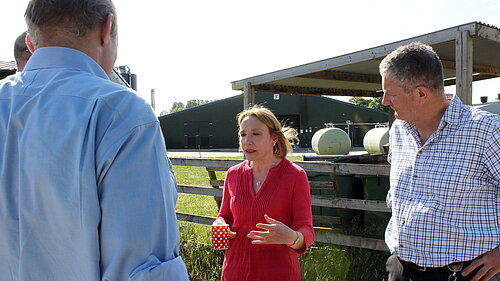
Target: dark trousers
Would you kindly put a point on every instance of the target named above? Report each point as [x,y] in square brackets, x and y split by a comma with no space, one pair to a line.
[402,271]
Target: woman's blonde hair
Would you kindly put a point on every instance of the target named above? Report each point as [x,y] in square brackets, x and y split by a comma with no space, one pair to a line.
[286,135]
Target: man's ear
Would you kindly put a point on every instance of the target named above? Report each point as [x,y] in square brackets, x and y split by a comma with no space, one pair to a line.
[106,30]
[423,93]
[29,43]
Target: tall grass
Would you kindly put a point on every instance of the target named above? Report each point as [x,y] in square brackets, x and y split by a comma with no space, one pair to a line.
[322,262]
[202,262]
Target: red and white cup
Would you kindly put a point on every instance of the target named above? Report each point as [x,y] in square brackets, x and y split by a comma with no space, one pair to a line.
[220,238]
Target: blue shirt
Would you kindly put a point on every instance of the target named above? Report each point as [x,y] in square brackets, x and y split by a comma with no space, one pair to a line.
[86,188]
[444,193]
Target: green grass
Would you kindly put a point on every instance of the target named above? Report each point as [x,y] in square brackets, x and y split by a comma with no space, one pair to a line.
[202,262]
[322,262]
[194,175]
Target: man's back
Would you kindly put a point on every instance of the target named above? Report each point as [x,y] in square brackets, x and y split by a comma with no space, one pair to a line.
[84,188]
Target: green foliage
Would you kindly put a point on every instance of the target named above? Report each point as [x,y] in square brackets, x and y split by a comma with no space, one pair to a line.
[195,103]
[360,101]
[177,106]
[375,103]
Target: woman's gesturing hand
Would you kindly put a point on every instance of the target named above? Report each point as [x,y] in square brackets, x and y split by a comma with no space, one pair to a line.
[273,232]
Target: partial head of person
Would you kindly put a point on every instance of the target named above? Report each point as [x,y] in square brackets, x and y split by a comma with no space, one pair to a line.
[262,135]
[85,25]
[21,52]
[412,76]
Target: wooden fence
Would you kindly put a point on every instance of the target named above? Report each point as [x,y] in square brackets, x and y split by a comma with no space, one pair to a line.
[322,234]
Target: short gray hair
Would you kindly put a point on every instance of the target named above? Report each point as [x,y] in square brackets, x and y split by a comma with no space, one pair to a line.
[75,17]
[412,65]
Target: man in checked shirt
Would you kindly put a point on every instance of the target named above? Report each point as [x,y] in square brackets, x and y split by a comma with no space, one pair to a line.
[445,176]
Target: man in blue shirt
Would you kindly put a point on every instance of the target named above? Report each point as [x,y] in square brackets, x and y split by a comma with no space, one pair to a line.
[86,189]
[445,176]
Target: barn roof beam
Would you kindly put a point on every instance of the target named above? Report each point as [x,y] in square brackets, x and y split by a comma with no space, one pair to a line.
[278,89]
[476,68]
[344,76]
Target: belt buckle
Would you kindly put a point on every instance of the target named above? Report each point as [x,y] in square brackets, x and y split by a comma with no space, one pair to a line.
[455,266]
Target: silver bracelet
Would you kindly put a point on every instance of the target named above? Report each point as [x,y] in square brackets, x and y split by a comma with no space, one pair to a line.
[295,241]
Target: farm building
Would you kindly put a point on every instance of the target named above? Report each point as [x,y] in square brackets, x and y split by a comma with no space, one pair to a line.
[468,52]
[493,107]
[214,125]
[7,68]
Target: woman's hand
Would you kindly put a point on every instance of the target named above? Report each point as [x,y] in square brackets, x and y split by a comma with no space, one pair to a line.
[231,234]
[275,232]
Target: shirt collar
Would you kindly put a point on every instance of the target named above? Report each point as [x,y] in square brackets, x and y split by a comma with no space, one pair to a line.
[60,57]
[453,111]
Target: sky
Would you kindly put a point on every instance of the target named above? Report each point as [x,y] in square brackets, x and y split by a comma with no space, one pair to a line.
[194,49]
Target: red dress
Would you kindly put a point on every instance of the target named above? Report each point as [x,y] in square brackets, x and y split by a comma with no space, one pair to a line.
[284,196]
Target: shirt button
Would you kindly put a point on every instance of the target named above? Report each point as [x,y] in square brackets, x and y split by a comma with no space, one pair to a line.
[414,175]
[409,199]
[403,222]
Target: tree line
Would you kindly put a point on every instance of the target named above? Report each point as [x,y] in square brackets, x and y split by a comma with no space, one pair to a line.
[178,106]
[375,103]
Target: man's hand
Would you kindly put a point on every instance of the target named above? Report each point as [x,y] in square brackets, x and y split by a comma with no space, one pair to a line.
[488,264]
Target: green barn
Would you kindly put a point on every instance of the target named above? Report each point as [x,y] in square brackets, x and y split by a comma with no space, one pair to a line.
[213,125]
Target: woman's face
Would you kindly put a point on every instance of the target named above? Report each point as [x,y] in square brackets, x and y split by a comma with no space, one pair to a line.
[255,139]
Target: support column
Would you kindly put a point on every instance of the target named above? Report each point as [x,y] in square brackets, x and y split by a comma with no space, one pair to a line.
[463,66]
[248,95]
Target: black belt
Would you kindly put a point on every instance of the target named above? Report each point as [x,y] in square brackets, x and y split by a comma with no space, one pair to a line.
[452,267]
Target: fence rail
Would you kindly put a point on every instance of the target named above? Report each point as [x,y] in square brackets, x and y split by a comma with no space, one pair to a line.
[325,235]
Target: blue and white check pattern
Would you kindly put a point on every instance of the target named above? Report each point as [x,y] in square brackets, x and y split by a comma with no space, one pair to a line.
[444,194]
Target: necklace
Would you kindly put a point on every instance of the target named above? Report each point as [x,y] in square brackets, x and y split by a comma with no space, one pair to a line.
[274,163]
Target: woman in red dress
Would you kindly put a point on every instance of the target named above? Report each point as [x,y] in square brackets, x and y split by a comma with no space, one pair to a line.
[267,203]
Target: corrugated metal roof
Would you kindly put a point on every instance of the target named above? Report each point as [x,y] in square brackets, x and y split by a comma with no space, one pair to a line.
[493,107]
[8,66]
[357,73]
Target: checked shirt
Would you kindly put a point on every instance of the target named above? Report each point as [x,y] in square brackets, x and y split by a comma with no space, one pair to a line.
[444,194]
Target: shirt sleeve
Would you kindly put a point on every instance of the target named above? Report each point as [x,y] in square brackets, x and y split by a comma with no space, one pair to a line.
[302,210]
[492,156]
[139,235]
